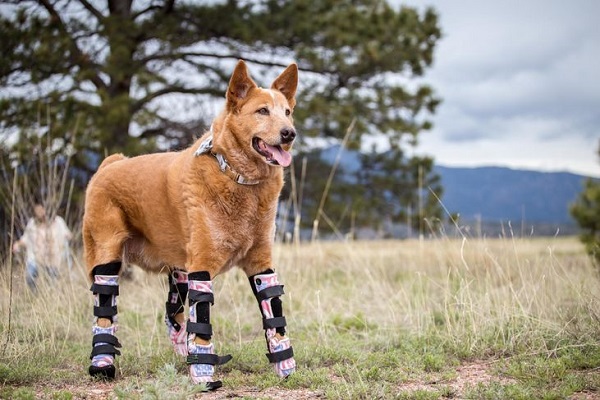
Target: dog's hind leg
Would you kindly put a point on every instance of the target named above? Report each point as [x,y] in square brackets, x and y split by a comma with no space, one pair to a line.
[104,232]
[174,317]
[201,354]
[105,287]
[267,291]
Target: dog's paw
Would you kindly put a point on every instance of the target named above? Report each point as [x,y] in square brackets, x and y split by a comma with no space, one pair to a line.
[212,386]
[106,372]
[283,367]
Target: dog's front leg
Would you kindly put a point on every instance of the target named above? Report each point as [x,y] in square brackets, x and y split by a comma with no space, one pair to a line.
[201,354]
[267,291]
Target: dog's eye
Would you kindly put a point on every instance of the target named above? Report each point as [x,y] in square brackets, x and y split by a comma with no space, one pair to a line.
[263,111]
[288,112]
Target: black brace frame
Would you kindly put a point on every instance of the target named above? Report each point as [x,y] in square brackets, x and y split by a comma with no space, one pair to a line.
[180,290]
[202,301]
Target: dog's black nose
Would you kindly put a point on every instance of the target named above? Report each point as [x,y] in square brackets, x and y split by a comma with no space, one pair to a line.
[287,135]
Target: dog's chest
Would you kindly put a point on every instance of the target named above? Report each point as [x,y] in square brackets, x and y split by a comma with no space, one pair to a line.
[235,222]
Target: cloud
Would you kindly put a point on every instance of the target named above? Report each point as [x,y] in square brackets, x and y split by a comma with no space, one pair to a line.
[519,83]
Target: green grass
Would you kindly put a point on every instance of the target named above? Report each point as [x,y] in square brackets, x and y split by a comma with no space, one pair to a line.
[376,320]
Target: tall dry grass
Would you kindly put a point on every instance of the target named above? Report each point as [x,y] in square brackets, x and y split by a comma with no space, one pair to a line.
[479,295]
[476,297]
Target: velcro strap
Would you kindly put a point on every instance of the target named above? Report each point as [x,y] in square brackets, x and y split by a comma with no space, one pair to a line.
[105,289]
[271,323]
[281,355]
[199,327]
[270,292]
[105,338]
[105,349]
[109,311]
[211,359]
[173,309]
[201,297]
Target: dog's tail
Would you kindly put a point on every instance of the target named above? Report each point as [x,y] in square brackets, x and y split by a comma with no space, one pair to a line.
[111,159]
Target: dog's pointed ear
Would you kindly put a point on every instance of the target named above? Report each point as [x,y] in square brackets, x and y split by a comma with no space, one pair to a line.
[239,85]
[287,83]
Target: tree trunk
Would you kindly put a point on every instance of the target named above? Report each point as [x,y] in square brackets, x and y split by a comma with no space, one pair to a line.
[120,65]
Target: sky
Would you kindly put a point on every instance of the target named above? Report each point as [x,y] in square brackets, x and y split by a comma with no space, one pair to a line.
[520,84]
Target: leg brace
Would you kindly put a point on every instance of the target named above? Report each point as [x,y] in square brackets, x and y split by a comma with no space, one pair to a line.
[201,357]
[267,290]
[104,341]
[178,290]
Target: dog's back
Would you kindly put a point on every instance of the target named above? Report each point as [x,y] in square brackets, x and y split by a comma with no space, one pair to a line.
[111,159]
[137,200]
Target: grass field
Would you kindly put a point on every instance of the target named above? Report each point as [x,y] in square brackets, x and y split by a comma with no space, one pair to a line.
[444,318]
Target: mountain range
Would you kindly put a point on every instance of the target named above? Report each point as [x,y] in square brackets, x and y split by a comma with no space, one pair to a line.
[504,194]
[499,195]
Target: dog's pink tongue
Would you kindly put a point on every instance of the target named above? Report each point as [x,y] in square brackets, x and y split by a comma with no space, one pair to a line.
[282,157]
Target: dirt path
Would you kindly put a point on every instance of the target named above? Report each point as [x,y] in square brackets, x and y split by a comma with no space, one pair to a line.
[468,375]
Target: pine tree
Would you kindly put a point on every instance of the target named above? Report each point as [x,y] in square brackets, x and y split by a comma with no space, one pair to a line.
[129,75]
[136,76]
[586,212]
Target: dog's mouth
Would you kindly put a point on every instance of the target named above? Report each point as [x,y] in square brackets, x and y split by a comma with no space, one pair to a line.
[274,155]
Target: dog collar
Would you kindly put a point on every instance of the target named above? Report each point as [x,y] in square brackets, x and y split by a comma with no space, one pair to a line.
[206,148]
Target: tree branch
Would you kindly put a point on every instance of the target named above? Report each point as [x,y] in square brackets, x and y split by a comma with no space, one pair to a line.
[144,11]
[186,55]
[77,56]
[167,8]
[92,9]
[140,103]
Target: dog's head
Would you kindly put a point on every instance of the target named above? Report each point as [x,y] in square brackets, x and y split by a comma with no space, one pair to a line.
[259,120]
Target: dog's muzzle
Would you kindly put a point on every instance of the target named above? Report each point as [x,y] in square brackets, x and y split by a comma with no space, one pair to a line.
[273,154]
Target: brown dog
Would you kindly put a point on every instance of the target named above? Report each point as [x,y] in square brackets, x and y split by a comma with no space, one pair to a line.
[195,214]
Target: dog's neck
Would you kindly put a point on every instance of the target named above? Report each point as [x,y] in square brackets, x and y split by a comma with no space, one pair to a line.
[206,147]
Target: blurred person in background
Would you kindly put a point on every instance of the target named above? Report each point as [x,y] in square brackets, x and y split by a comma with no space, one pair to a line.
[46,241]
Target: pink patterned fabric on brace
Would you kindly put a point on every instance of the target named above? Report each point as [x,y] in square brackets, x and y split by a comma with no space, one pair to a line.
[178,337]
[201,372]
[200,286]
[285,367]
